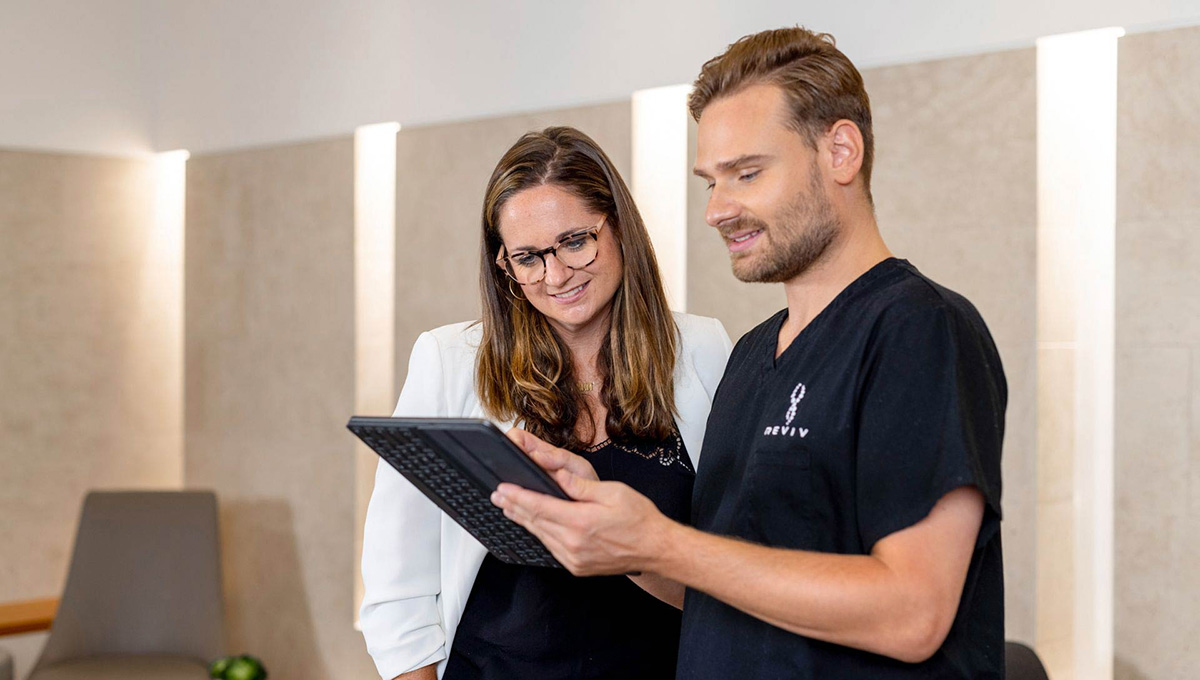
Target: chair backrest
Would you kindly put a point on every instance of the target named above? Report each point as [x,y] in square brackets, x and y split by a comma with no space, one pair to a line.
[145,578]
[1022,663]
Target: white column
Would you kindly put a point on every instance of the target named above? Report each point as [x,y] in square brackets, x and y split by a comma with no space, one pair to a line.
[660,174]
[374,304]
[162,286]
[1077,109]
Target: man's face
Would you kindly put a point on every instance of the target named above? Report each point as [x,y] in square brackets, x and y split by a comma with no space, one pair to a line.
[767,193]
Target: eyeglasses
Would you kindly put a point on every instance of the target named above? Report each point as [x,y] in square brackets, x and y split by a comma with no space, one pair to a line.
[574,251]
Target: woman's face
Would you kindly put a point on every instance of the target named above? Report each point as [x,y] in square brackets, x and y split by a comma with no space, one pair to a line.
[573,300]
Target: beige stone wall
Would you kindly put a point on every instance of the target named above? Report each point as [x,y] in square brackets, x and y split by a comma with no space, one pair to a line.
[89,393]
[1157,505]
[955,193]
[269,386]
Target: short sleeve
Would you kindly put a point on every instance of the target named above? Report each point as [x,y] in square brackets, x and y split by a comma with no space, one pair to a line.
[931,418]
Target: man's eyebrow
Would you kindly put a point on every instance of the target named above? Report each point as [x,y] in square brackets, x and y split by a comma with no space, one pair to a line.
[734,163]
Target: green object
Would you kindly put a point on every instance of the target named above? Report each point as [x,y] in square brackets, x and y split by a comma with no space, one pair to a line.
[218,667]
[244,667]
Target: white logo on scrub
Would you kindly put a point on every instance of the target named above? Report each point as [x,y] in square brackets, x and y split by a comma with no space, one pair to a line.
[786,429]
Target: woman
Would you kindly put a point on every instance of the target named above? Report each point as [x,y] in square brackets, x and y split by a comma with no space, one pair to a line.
[576,345]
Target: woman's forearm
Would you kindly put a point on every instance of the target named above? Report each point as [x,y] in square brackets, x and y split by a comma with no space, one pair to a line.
[661,587]
[425,673]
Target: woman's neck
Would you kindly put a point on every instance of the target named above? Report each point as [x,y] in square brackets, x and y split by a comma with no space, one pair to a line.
[584,344]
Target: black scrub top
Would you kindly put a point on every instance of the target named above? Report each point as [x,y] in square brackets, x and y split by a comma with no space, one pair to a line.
[537,622]
[890,398]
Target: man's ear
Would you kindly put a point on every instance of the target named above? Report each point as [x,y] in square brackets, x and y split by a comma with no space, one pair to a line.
[845,143]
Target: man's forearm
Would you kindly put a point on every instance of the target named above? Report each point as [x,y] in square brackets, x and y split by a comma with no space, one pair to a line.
[852,600]
[899,601]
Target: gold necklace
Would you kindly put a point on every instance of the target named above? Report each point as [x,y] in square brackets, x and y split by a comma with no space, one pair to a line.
[586,387]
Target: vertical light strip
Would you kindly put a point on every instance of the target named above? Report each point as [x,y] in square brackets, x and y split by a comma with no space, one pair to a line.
[162,285]
[660,174]
[374,304]
[1077,132]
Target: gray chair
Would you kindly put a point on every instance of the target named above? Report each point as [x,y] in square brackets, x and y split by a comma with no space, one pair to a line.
[1022,663]
[143,595]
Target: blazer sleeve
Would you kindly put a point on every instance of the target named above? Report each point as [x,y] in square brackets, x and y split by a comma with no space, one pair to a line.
[711,355]
[401,558]
[704,351]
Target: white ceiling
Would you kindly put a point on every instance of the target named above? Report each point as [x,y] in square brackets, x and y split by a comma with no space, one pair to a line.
[129,76]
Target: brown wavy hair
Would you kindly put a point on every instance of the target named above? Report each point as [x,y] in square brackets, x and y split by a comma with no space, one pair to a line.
[819,82]
[524,371]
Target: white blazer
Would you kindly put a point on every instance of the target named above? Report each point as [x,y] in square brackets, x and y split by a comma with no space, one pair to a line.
[418,565]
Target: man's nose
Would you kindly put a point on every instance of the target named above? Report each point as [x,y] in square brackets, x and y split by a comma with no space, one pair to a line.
[720,208]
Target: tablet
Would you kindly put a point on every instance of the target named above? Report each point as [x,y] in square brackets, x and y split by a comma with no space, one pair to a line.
[457,463]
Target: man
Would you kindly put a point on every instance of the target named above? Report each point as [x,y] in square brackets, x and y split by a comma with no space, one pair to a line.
[847,505]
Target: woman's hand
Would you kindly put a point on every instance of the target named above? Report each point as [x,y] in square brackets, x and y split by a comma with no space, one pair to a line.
[551,458]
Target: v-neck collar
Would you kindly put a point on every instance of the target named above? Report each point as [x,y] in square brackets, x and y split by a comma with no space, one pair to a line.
[774,362]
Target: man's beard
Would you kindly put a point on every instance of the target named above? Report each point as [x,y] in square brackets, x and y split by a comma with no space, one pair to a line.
[798,239]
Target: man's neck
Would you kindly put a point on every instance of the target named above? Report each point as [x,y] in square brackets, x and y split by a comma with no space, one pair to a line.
[859,248]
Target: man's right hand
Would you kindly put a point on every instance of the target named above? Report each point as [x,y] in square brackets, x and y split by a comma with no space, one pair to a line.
[552,459]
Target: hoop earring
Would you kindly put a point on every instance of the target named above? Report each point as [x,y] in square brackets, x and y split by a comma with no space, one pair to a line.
[511,291]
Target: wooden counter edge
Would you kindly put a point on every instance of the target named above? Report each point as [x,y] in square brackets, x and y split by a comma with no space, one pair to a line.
[27,616]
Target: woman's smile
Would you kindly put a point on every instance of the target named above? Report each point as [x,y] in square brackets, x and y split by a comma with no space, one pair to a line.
[572,295]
